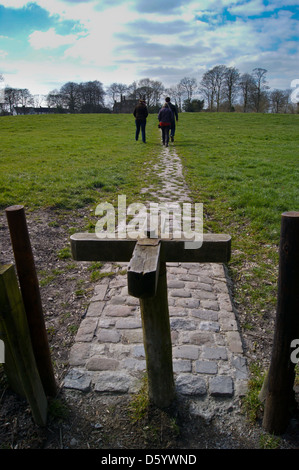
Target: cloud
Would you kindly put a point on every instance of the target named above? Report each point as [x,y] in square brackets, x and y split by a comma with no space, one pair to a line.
[50,39]
[98,46]
[170,76]
[159,28]
[78,1]
[14,3]
[259,7]
[158,6]
[251,8]
[3,54]
[121,40]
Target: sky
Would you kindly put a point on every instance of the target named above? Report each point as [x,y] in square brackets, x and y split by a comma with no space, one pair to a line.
[47,43]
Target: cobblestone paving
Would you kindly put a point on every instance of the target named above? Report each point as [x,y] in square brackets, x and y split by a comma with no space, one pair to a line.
[209,366]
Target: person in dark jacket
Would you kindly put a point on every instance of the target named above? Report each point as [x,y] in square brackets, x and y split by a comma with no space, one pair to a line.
[175,117]
[165,118]
[140,113]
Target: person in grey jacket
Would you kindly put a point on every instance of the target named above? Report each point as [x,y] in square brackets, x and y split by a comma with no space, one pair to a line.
[165,118]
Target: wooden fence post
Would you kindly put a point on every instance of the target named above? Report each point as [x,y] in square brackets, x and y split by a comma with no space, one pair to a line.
[20,365]
[31,295]
[280,379]
[157,343]
[147,281]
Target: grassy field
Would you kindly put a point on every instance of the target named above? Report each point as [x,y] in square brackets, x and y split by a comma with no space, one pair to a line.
[243,168]
[69,161]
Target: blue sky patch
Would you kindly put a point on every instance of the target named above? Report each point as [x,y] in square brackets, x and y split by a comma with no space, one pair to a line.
[17,22]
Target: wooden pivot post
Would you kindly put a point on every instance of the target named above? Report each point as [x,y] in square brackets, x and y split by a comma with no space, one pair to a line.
[147,280]
[281,375]
[20,365]
[31,295]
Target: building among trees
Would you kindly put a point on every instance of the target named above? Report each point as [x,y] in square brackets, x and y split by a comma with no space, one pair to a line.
[125,105]
[23,110]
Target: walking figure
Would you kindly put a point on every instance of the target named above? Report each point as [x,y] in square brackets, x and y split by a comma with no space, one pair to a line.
[175,117]
[140,113]
[165,118]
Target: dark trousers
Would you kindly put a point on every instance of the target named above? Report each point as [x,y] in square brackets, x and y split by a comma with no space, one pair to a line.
[165,134]
[172,129]
[140,125]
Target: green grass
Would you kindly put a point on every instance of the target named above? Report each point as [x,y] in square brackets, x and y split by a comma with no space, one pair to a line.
[243,168]
[252,405]
[70,161]
[139,404]
[245,171]
[248,164]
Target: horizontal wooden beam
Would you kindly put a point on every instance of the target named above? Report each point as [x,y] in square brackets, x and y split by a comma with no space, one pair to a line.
[88,247]
[215,248]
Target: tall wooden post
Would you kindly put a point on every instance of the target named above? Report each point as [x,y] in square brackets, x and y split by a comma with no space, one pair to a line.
[147,281]
[157,344]
[280,380]
[20,365]
[31,295]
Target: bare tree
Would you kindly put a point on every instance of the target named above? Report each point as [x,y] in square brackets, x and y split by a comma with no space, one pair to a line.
[188,85]
[11,97]
[219,74]
[149,90]
[116,90]
[259,95]
[230,86]
[91,96]
[279,100]
[55,99]
[247,87]
[38,100]
[112,91]
[176,93]
[208,88]
[2,98]
[25,97]
[211,85]
[132,90]
[2,94]
[71,96]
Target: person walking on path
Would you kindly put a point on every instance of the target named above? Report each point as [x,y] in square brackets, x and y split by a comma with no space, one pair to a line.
[175,117]
[165,118]
[140,113]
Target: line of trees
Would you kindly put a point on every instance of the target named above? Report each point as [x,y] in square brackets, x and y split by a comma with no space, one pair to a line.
[224,88]
[221,88]
[86,97]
